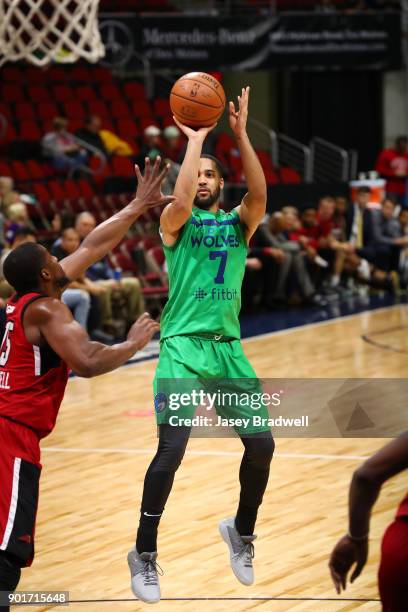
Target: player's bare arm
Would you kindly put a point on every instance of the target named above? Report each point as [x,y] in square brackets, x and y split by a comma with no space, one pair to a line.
[175,215]
[253,206]
[109,233]
[364,490]
[51,321]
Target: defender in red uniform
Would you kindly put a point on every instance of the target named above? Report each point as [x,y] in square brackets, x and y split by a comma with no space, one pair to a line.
[353,547]
[41,343]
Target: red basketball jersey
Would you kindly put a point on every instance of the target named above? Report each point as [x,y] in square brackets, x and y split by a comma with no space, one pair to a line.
[32,378]
[403,508]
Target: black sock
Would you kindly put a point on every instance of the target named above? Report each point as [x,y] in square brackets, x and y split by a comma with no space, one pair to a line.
[245,519]
[10,573]
[146,540]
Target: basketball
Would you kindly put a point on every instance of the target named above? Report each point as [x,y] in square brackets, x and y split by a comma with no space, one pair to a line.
[197,99]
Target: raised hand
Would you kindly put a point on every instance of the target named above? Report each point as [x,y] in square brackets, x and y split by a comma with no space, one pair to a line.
[143,330]
[192,134]
[148,193]
[238,119]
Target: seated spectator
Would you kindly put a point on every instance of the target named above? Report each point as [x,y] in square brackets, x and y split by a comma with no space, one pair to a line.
[62,149]
[392,164]
[388,236]
[90,133]
[275,233]
[100,278]
[8,195]
[152,145]
[173,144]
[17,218]
[21,235]
[75,296]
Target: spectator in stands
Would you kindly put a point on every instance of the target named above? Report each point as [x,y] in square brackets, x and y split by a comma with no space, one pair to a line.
[62,148]
[21,235]
[76,296]
[388,236]
[152,145]
[8,195]
[173,144]
[90,133]
[101,276]
[17,218]
[392,164]
[275,233]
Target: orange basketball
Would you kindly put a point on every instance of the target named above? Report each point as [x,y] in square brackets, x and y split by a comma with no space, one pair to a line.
[197,99]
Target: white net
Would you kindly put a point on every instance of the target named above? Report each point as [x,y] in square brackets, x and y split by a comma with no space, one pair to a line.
[41,31]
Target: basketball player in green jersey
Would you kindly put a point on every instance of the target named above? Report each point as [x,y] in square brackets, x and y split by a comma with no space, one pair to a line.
[205,250]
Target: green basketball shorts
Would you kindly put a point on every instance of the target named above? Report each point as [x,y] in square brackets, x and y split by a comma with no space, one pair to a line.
[218,367]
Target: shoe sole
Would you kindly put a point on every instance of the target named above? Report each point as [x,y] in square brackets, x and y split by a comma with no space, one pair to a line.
[224,534]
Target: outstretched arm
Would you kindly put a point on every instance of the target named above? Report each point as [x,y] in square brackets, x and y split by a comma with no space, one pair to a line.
[71,342]
[253,206]
[109,233]
[364,490]
[175,215]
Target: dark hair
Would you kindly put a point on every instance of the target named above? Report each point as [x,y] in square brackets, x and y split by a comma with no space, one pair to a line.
[24,231]
[400,139]
[364,189]
[23,265]
[67,229]
[390,198]
[220,168]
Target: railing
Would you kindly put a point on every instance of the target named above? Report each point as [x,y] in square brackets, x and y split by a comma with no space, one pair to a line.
[96,153]
[292,153]
[329,162]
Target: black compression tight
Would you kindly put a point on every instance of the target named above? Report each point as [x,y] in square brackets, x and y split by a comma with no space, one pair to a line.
[253,476]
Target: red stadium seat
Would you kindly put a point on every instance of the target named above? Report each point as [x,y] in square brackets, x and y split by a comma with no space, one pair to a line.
[289,175]
[101,74]
[82,74]
[127,128]
[20,171]
[141,108]
[36,170]
[146,121]
[161,107]
[41,193]
[47,110]
[24,111]
[166,121]
[38,93]
[134,90]
[71,190]
[97,107]
[109,91]
[74,109]
[56,74]
[120,109]
[12,93]
[158,255]
[122,166]
[5,169]
[29,130]
[6,110]
[11,74]
[9,136]
[125,262]
[85,189]
[61,93]
[34,75]
[85,93]
[57,191]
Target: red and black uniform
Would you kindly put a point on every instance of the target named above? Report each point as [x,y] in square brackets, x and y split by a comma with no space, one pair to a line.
[393,572]
[32,385]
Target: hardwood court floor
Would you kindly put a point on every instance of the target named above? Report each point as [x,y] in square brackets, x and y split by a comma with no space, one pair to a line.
[94,464]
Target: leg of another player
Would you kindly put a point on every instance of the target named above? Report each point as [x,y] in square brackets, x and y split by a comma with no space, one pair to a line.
[10,573]
[157,486]
[238,533]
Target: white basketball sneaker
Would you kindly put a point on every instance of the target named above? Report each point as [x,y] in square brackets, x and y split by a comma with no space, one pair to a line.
[241,551]
[144,576]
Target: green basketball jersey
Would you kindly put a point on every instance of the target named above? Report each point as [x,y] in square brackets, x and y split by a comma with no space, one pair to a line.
[206,267]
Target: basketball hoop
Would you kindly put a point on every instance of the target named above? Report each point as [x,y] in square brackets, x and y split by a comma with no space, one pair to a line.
[41,31]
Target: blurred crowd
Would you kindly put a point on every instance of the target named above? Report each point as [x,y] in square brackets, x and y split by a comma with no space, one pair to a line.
[327,252]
